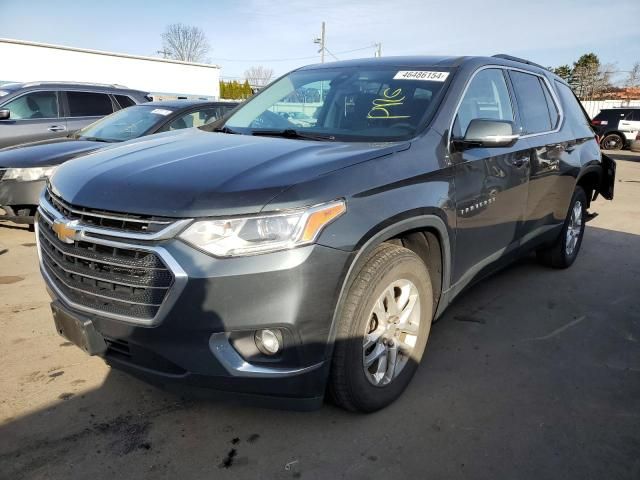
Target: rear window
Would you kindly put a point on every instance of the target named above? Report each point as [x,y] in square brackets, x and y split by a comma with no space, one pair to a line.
[532,103]
[613,115]
[124,101]
[89,104]
[574,114]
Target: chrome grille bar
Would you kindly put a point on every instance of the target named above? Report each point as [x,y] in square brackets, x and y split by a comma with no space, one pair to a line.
[93,273]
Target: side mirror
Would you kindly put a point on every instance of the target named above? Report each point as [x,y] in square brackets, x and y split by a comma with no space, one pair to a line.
[5,114]
[488,133]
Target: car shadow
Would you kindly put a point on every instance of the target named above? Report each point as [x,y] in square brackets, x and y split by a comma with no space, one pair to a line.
[532,373]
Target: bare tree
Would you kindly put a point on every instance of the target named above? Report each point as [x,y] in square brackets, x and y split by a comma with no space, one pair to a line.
[184,42]
[258,76]
[633,78]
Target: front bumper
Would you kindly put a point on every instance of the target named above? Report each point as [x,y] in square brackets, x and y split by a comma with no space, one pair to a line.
[18,196]
[222,302]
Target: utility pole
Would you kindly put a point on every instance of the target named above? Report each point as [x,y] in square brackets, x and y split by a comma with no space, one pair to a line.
[321,41]
[164,53]
[378,52]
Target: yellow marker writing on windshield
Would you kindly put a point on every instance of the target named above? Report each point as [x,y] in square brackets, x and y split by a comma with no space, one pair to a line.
[381,106]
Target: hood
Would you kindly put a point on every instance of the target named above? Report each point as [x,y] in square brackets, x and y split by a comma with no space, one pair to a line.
[198,173]
[45,153]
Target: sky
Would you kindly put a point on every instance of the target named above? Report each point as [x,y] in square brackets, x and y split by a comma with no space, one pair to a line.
[279,34]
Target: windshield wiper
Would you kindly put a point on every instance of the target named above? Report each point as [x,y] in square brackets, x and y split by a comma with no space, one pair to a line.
[97,139]
[291,133]
[225,129]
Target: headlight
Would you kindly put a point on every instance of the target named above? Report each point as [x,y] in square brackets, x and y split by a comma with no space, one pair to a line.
[264,233]
[27,174]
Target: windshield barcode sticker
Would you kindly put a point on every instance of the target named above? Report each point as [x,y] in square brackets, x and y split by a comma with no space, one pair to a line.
[161,111]
[421,75]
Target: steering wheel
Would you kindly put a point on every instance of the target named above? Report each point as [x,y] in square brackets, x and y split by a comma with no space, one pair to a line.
[268,119]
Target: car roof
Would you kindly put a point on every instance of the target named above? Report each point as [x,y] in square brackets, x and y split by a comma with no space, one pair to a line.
[74,85]
[188,103]
[421,61]
[412,61]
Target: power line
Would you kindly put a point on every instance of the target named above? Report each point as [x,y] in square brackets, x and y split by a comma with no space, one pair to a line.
[266,60]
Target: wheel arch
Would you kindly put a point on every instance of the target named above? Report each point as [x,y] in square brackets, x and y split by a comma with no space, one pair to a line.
[432,225]
[590,179]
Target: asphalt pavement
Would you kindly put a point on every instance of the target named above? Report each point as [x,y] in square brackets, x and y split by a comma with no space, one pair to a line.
[532,374]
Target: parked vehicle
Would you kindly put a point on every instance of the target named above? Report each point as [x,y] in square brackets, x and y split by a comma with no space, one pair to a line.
[617,127]
[43,110]
[255,256]
[25,168]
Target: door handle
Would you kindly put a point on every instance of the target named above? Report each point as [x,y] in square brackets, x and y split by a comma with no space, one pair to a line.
[57,128]
[519,162]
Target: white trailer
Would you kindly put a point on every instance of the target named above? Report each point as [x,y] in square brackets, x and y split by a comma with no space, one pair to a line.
[22,61]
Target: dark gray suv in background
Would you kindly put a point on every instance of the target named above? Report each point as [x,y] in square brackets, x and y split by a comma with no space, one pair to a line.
[43,110]
[263,256]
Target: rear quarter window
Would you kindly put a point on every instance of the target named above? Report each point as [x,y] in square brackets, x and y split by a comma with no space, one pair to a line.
[575,115]
[124,101]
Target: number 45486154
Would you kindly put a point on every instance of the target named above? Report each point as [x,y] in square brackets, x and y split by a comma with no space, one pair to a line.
[421,75]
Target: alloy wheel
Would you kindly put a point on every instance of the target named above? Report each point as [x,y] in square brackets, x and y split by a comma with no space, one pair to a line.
[574,229]
[392,332]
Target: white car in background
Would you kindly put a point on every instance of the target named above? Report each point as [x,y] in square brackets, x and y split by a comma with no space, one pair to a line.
[617,127]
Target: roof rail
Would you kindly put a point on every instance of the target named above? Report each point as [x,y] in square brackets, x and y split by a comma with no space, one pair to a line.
[504,56]
[90,84]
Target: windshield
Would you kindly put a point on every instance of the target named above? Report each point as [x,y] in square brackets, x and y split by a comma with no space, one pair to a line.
[352,104]
[132,122]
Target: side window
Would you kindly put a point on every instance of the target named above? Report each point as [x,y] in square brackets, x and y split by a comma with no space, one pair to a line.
[573,111]
[87,104]
[635,115]
[487,97]
[531,102]
[124,101]
[34,105]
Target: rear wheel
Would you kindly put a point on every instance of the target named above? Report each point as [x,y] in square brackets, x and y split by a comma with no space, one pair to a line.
[382,331]
[612,141]
[565,249]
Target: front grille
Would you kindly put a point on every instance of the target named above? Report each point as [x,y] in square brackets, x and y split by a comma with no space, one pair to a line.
[127,282]
[124,222]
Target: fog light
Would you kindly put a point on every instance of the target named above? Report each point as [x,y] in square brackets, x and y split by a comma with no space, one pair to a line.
[268,341]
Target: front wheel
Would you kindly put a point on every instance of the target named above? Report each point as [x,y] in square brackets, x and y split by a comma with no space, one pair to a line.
[565,249]
[382,331]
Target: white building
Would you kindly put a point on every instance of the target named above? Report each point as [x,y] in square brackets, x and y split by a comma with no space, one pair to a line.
[22,61]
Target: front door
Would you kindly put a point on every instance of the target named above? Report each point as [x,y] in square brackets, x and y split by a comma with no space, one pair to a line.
[33,116]
[491,183]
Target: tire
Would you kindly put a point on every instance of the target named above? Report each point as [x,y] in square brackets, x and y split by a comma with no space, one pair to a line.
[402,275]
[559,255]
[612,141]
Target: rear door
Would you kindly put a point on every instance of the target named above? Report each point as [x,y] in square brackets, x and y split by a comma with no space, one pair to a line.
[630,125]
[491,183]
[84,107]
[553,153]
[34,116]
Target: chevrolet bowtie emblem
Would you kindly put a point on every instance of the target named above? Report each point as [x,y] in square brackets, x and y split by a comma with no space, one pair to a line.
[66,230]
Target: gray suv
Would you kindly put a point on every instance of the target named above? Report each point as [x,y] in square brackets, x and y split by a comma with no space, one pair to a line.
[43,110]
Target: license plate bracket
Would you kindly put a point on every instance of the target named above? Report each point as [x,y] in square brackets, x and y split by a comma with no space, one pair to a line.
[79,331]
